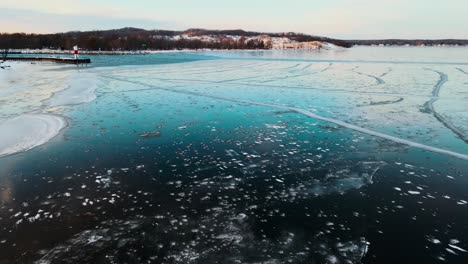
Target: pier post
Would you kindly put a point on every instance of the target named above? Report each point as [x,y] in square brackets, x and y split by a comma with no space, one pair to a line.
[75,51]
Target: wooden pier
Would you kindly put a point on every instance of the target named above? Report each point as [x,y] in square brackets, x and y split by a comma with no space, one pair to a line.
[44,59]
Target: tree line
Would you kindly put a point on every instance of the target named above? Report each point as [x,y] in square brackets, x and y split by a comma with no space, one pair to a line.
[140,39]
[111,43]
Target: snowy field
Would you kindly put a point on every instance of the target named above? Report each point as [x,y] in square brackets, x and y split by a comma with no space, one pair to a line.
[349,156]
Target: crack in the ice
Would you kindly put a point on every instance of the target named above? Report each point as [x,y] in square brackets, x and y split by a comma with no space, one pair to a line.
[354,61]
[298,75]
[172,80]
[232,69]
[291,67]
[462,71]
[260,76]
[301,69]
[243,78]
[327,68]
[443,78]
[429,106]
[385,73]
[383,102]
[378,80]
[198,71]
[311,115]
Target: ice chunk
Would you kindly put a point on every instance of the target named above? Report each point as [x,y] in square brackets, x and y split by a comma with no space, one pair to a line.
[457,248]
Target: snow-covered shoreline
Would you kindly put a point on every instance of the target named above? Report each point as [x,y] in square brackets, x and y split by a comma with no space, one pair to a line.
[116,52]
[289,46]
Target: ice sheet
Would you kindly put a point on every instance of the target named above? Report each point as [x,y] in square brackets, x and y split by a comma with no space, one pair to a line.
[323,118]
[38,88]
[80,89]
[28,131]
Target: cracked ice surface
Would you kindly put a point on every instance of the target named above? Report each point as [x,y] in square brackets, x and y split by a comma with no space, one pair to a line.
[334,90]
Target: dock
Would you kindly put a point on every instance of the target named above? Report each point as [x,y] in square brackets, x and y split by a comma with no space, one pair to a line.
[44,59]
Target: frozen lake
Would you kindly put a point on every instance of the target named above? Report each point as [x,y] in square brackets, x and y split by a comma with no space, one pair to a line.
[345,156]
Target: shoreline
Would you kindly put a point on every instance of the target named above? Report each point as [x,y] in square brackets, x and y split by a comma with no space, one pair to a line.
[132,52]
[150,52]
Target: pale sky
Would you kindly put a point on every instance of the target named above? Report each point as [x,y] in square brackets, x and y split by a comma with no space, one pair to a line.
[347,19]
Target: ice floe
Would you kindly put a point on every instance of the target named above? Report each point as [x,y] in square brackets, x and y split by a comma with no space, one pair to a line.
[28,93]
[27,131]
